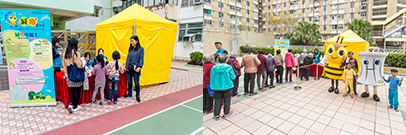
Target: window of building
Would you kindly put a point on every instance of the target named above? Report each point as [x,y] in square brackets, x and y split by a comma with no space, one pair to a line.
[303,11]
[208,22]
[187,3]
[337,16]
[255,21]
[352,4]
[238,1]
[255,5]
[325,8]
[324,27]
[314,9]
[192,28]
[239,18]
[207,11]
[310,18]
[221,14]
[96,11]
[363,14]
[255,13]
[232,16]
[338,6]
[221,24]
[238,9]
[284,4]
[340,26]
[352,15]
[248,3]
[316,18]
[220,4]
[232,7]
[248,20]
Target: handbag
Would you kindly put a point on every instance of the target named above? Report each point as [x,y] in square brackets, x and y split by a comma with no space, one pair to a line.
[75,74]
[132,67]
[210,90]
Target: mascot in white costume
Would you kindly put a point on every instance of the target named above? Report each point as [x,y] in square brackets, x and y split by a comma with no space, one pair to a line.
[372,65]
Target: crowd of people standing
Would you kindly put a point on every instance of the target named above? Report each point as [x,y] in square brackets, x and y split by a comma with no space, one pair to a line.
[221,74]
[76,70]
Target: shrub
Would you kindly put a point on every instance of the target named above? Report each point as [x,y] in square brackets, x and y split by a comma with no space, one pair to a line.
[196,57]
[272,50]
[396,60]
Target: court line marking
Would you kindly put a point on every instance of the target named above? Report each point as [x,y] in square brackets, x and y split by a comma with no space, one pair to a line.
[191,108]
[188,69]
[197,131]
[132,123]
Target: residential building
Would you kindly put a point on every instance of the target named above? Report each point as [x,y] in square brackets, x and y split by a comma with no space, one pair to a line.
[331,15]
[388,21]
[187,13]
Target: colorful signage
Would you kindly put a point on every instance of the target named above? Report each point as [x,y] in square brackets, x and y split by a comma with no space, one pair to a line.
[26,37]
[283,45]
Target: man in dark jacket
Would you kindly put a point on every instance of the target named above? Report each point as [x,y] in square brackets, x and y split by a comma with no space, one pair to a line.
[307,61]
[237,71]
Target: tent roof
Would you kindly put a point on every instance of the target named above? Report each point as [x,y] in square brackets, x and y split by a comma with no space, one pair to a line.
[349,35]
[136,16]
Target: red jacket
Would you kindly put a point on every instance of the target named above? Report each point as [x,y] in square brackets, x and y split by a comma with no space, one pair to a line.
[206,73]
[264,63]
[236,66]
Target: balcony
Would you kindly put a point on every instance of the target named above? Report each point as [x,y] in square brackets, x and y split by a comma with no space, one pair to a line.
[403,2]
[381,2]
[377,13]
[377,33]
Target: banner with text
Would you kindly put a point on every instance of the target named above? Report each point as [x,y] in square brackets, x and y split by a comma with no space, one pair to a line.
[26,37]
[283,45]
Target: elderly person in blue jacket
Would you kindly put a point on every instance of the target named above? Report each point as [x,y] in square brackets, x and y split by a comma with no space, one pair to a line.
[221,82]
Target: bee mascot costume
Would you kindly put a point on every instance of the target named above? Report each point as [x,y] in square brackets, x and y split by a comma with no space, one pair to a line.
[333,63]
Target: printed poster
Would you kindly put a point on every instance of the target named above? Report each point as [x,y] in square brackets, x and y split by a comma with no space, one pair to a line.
[28,48]
[283,45]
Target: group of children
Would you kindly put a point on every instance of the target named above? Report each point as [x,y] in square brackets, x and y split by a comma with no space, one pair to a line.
[393,81]
[102,69]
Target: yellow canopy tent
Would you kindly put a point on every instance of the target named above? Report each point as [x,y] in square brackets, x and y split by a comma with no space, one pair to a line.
[354,42]
[157,36]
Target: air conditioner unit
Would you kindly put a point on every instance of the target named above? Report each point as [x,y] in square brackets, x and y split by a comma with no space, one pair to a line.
[198,2]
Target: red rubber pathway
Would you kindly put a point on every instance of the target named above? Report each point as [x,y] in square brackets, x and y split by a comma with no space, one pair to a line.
[112,120]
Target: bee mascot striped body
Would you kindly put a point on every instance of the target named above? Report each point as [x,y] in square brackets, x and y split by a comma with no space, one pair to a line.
[333,63]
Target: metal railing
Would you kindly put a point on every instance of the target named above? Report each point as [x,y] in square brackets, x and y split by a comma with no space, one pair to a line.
[377,33]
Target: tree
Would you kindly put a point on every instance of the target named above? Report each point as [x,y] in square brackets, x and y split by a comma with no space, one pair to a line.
[306,33]
[362,28]
[284,22]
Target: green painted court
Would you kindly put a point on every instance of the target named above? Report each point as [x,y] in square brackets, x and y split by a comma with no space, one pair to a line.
[183,118]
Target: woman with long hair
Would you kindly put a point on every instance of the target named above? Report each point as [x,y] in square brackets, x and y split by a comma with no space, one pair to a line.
[56,56]
[72,56]
[134,63]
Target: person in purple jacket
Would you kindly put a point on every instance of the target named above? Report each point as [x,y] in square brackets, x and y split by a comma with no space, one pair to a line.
[271,67]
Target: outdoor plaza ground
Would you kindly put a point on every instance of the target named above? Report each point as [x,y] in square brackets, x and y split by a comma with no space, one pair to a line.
[161,107]
[311,111]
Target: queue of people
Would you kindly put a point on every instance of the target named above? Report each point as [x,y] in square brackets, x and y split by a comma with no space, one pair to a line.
[221,74]
[77,69]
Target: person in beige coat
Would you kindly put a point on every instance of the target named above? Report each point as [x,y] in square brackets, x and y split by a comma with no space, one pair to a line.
[72,56]
[250,62]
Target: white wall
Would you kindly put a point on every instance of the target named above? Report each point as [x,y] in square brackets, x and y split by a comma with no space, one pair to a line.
[87,23]
[192,14]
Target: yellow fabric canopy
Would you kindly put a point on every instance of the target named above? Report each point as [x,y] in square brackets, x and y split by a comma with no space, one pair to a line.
[354,43]
[157,36]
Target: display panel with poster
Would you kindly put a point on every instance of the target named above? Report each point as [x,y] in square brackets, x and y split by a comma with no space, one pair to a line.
[26,38]
[283,45]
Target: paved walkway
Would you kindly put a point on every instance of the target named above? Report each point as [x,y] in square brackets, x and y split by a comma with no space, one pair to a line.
[312,110]
[34,120]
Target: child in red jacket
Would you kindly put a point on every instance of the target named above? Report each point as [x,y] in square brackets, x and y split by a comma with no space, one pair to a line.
[207,100]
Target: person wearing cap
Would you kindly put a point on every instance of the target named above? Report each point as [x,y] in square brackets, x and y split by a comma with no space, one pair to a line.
[354,64]
[394,82]
[307,61]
